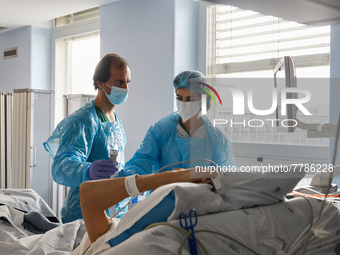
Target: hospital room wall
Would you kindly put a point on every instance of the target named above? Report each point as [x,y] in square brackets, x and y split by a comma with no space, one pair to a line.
[40,58]
[15,72]
[31,68]
[335,88]
[158,39]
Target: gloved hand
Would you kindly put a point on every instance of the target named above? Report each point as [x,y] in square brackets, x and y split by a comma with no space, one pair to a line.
[101,169]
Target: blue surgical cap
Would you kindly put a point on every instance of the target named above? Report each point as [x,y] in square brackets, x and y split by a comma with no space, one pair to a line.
[182,80]
[192,80]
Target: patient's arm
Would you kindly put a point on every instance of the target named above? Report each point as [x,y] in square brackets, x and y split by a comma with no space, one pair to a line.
[97,196]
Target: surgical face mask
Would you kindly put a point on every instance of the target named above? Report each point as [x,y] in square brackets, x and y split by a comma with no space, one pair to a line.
[188,109]
[117,95]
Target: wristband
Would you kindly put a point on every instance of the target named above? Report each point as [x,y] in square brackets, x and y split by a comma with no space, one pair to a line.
[131,186]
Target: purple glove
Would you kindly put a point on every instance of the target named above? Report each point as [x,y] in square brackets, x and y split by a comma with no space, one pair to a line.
[101,169]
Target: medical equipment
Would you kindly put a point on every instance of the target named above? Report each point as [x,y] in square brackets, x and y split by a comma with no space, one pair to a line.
[187,161]
[113,158]
[322,182]
[101,169]
[190,227]
[287,79]
[286,64]
[113,155]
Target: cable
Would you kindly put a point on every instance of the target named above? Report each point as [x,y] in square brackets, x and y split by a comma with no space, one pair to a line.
[179,252]
[187,161]
[314,191]
[122,208]
[316,223]
[311,223]
[228,237]
[188,234]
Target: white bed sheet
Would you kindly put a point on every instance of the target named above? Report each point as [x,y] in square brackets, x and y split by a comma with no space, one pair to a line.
[58,241]
[26,200]
[15,240]
[279,228]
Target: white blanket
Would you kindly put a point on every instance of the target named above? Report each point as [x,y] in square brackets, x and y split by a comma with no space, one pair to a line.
[25,200]
[277,229]
[15,240]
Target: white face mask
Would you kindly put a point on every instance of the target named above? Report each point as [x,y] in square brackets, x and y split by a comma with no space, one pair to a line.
[188,109]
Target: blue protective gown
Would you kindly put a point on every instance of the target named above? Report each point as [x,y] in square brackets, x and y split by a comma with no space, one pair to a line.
[162,146]
[79,140]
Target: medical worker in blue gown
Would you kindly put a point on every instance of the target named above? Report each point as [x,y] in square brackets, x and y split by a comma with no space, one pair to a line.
[81,143]
[182,135]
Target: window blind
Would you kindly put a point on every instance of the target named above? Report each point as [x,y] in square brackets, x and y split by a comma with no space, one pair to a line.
[243,41]
[77,17]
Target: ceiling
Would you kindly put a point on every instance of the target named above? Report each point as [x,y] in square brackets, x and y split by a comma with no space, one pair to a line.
[18,13]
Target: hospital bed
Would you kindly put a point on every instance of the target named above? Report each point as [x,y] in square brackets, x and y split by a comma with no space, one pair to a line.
[250,221]
[16,237]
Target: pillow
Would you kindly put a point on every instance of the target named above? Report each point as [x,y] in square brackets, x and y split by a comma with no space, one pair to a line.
[242,190]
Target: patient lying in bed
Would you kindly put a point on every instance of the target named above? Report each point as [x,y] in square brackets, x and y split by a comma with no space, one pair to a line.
[249,213]
[250,210]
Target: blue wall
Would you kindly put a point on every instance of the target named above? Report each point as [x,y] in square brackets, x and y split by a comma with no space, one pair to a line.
[157,38]
[40,58]
[186,30]
[16,72]
[32,67]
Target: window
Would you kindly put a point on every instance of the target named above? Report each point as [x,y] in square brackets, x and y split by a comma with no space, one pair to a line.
[77,58]
[76,41]
[247,44]
[77,17]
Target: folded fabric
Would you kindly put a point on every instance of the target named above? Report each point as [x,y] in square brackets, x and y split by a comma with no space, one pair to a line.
[37,223]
